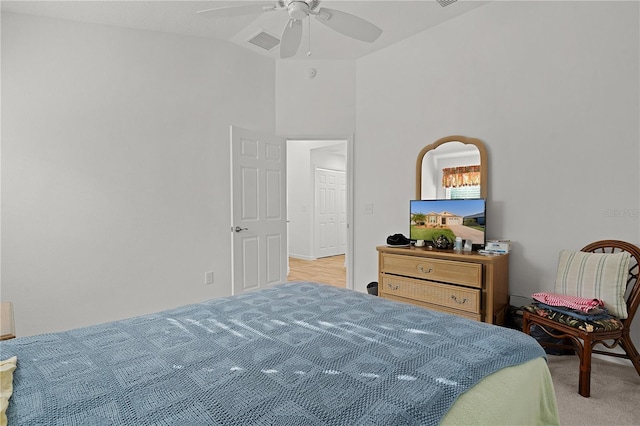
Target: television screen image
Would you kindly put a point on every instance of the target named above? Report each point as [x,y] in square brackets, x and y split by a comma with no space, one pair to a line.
[464,218]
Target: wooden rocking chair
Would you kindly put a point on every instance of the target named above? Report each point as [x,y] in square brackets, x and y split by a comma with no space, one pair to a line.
[583,341]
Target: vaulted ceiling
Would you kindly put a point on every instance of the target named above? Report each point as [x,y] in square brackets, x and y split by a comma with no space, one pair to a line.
[397,19]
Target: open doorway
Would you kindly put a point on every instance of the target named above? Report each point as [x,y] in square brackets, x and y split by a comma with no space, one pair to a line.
[317,210]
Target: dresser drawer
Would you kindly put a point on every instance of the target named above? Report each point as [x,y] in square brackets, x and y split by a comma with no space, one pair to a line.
[469,274]
[470,315]
[450,296]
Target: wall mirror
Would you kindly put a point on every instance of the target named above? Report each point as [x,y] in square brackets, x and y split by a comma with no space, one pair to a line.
[452,167]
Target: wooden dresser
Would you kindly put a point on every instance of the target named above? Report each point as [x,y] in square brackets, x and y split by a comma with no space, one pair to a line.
[468,284]
[7,327]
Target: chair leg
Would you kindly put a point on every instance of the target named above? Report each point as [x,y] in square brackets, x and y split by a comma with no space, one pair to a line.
[525,324]
[584,383]
[631,351]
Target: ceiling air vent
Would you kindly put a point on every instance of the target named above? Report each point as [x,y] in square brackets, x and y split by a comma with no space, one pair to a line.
[444,3]
[264,40]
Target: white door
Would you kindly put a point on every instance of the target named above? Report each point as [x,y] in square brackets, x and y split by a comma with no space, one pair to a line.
[258,210]
[330,209]
[341,200]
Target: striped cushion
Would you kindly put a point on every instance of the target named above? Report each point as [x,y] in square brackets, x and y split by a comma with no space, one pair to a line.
[6,386]
[595,275]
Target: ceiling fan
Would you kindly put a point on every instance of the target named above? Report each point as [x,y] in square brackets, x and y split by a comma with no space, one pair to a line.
[342,22]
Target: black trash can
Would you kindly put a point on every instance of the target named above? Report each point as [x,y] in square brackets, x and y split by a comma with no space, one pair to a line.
[372,288]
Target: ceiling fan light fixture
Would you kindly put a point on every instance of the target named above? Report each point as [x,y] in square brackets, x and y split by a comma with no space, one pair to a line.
[298,10]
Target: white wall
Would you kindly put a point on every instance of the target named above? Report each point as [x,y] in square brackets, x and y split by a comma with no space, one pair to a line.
[115,167]
[552,88]
[317,107]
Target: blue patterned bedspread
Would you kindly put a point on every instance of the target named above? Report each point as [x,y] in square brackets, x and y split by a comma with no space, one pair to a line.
[294,354]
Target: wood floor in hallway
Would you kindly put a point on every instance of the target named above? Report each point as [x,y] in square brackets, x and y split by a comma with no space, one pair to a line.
[325,270]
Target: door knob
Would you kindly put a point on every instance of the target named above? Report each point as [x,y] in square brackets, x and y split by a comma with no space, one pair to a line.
[238,229]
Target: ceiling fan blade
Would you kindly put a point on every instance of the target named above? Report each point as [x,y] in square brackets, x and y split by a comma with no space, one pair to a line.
[291,38]
[231,11]
[349,25]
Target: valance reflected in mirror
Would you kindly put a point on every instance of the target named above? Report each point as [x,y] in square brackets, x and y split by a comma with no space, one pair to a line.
[452,167]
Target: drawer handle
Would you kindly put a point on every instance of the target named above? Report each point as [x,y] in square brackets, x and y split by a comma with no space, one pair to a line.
[455,299]
[421,269]
[393,287]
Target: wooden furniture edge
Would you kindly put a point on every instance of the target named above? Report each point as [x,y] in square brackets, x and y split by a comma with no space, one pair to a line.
[7,325]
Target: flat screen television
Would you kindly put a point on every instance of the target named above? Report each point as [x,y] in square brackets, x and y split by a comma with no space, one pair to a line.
[463,218]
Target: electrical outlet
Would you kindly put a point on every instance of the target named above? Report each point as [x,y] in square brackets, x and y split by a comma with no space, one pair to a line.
[368,208]
[208,277]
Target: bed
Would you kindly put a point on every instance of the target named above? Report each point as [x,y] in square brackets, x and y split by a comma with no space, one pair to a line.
[294,354]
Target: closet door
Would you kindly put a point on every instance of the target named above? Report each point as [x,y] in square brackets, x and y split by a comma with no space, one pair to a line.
[330,212]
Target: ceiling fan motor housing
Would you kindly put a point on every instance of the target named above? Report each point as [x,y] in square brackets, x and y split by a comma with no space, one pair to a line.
[299,9]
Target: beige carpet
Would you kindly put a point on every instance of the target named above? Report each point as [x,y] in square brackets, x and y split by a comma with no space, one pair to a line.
[615,393]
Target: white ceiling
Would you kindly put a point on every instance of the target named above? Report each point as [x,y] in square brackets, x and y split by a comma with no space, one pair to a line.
[398,20]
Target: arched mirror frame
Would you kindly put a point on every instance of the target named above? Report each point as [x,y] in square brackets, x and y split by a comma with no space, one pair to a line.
[455,138]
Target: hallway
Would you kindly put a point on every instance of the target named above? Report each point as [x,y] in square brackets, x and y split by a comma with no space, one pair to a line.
[325,270]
